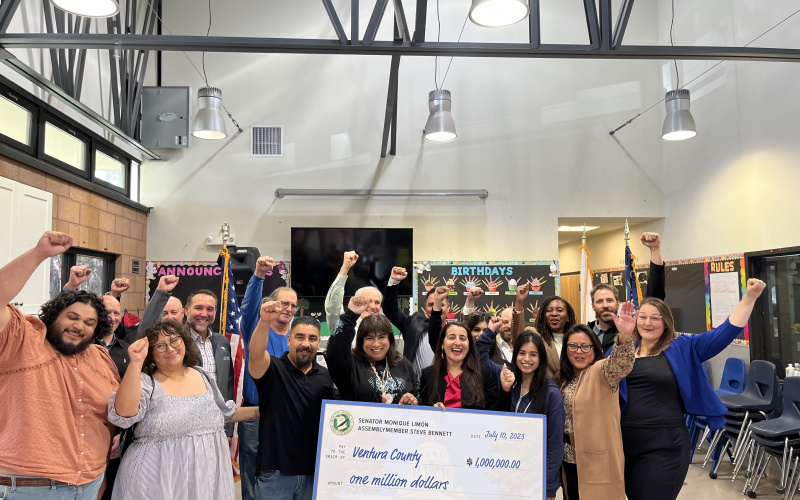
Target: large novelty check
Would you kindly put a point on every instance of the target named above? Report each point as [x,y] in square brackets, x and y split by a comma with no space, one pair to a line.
[379,451]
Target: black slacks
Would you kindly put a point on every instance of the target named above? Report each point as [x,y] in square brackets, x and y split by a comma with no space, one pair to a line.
[656,461]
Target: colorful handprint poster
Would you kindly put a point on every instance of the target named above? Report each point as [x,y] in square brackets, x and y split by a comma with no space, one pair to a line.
[498,281]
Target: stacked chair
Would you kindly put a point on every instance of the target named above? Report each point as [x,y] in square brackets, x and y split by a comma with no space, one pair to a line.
[734,378]
[759,401]
[778,438]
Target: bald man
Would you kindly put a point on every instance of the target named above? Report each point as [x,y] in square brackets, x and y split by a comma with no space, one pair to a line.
[116,347]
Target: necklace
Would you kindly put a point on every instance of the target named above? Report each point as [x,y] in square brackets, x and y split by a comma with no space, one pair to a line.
[383,383]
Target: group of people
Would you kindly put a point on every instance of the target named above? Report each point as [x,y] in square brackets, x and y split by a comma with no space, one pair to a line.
[613,392]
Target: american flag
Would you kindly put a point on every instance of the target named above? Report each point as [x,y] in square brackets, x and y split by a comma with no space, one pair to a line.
[232,329]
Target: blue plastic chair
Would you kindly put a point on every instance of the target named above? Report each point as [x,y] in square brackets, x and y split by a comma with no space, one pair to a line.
[778,437]
[734,377]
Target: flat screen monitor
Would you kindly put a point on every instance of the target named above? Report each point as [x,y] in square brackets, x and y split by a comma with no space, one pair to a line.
[317,254]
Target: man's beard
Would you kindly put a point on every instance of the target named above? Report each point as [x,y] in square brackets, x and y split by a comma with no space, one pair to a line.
[66,348]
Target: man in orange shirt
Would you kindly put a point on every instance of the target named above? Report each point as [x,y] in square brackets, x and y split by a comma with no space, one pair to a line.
[55,384]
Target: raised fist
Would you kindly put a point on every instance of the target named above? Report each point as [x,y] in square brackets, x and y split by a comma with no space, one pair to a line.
[77,276]
[399,273]
[167,283]
[651,240]
[350,258]
[474,293]
[53,243]
[264,265]
[494,323]
[439,294]
[137,351]
[754,288]
[119,285]
[522,291]
[507,378]
[270,311]
[358,304]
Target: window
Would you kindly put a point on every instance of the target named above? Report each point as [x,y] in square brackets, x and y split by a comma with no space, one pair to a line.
[101,264]
[65,147]
[111,168]
[134,192]
[17,120]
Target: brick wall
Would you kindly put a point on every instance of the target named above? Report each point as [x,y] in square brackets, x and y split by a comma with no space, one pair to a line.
[95,223]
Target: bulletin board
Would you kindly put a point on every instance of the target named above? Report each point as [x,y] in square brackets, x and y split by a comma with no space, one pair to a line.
[700,292]
[196,275]
[497,279]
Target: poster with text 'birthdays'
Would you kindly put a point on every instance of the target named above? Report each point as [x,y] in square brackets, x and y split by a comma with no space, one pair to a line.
[499,281]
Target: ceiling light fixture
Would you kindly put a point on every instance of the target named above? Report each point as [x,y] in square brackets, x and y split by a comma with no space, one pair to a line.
[440,126]
[498,13]
[679,123]
[89,8]
[209,123]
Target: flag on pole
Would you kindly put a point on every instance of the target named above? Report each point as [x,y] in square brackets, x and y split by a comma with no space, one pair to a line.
[633,289]
[230,324]
[587,312]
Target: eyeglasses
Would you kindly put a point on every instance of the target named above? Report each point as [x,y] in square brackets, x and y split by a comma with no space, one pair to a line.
[291,306]
[174,341]
[582,347]
[656,318]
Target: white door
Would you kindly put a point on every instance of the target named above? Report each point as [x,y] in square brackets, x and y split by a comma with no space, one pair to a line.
[34,217]
[8,192]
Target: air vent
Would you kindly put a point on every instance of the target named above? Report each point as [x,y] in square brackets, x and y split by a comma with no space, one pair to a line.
[266,141]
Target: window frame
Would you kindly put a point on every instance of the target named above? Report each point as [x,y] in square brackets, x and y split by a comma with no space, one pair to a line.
[23,102]
[70,258]
[100,148]
[68,129]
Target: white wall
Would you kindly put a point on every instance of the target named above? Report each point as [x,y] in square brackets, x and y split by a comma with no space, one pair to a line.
[733,187]
[533,132]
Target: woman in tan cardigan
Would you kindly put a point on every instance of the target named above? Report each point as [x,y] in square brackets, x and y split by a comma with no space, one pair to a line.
[594,461]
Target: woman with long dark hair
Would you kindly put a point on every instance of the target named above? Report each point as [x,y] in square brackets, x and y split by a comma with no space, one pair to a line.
[372,371]
[526,389]
[456,379]
[593,458]
[666,382]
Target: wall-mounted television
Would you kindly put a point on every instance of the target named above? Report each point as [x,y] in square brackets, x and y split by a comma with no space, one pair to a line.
[317,254]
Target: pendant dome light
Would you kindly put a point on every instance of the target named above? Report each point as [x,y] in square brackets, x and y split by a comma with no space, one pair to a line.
[498,13]
[440,126]
[679,123]
[209,123]
[89,8]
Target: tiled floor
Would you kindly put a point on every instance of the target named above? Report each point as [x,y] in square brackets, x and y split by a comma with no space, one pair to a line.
[698,486]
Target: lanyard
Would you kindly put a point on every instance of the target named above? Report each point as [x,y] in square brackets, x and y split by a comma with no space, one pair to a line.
[383,382]
[516,410]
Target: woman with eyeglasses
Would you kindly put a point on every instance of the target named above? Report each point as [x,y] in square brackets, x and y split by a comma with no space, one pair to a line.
[526,389]
[593,457]
[373,370]
[668,381]
[180,451]
[457,379]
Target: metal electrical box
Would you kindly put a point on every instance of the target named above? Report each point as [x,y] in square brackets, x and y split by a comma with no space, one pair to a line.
[166,117]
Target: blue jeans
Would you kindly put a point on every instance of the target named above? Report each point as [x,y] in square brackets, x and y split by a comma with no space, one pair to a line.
[86,491]
[272,485]
[248,452]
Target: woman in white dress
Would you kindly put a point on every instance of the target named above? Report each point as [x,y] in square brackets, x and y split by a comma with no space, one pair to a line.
[180,450]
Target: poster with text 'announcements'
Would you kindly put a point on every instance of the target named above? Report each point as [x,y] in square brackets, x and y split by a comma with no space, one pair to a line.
[377,451]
